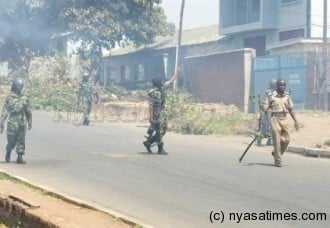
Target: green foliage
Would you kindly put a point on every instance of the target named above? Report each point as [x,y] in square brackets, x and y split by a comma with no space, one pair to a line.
[142,90]
[116,89]
[106,22]
[3,176]
[26,27]
[52,93]
[178,104]
[185,116]
[61,67]
[327,142]
[209,123]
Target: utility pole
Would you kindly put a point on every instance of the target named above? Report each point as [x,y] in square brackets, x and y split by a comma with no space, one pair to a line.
[324,54]
[177,54]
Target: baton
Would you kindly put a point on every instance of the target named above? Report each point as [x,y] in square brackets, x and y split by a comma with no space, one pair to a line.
[247,148]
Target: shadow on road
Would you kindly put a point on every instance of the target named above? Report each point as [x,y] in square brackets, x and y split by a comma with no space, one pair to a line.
[146,153]
[262,164]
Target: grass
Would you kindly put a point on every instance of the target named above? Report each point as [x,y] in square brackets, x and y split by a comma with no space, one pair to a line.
[2,224]
[327,142]
[4,176]
[213,123]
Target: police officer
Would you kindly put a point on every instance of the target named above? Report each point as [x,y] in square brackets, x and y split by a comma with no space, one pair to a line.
[85,96]
[18,111]
[280,104]
[157,115]
[272,87]
[264,117]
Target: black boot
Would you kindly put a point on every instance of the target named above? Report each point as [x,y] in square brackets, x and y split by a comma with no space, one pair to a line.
[149,133]
[86,121]
[161,149]
[20,159]
[7,158]
[269,142]
[258,142]
[148,146]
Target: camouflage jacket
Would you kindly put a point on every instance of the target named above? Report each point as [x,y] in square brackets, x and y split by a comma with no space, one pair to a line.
[17,108]
[85,91]
[157,100]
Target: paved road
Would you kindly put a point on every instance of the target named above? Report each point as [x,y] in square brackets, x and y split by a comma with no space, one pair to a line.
[106,166]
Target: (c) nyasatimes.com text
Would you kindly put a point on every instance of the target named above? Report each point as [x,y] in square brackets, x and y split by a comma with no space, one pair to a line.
[219,216]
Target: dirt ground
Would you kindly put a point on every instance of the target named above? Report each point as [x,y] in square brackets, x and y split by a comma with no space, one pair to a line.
[313,133]
[57,211]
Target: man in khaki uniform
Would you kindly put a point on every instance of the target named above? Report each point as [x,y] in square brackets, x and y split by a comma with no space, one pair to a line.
[280,104]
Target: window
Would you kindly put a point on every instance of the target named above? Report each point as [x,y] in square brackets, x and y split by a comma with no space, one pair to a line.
[291,34]
[122,74]
[141,74]
[238,12]
[125,74]
[258,43]
[253,11]
[111,74]
[288,1]
[241,12]
[128,77]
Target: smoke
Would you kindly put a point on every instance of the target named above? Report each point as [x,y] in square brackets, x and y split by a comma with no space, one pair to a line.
[28,21]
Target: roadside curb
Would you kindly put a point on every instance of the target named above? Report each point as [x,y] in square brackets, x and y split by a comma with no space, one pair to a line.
[310,152]
[78,202]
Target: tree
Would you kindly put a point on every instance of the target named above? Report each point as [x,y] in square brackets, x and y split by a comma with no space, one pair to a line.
[27,25]
[106,23]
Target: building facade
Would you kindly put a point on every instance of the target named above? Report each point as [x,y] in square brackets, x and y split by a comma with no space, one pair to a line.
[264,24]
[130,66]
[283,27]
[281,32]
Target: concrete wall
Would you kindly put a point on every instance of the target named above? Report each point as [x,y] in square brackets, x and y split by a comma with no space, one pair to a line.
[220,78]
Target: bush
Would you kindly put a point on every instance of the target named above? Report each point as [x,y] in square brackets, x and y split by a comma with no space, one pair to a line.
[186,116]
[116,89]
[327,142]
[209,123]
[52,93]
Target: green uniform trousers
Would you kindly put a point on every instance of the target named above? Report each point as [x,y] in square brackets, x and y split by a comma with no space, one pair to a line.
[16,137]
[160,130]
[87,107]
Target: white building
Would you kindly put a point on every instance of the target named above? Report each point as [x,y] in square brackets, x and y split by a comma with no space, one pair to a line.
[268,25]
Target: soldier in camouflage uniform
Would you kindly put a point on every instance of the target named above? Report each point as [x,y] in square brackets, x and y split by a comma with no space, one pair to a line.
[157,115]
[17,109]
[85,96]
[264,117]
[280,104]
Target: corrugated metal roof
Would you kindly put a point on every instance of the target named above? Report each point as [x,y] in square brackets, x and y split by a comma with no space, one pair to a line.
[189,37]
